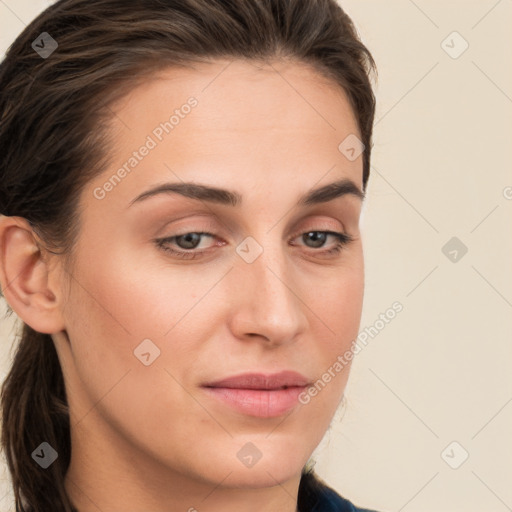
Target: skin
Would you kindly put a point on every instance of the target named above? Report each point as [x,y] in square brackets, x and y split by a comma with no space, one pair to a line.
[148,437]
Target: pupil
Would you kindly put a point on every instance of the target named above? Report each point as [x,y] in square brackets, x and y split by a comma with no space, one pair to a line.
[317,237]
[187,239]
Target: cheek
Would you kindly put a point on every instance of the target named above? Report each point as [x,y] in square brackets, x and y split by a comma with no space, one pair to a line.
[338,306]
[338,302]
[110,312]
[135,297]
[117,301]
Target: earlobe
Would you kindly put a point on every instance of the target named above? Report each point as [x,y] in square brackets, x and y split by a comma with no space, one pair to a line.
[24,277]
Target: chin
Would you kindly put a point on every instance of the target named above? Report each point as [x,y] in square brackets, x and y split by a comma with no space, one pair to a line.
[263,477]
[275,465]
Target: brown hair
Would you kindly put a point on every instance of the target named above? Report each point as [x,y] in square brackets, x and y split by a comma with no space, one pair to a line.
[54,113]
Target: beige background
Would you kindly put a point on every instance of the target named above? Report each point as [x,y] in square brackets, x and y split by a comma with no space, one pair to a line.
[440,371]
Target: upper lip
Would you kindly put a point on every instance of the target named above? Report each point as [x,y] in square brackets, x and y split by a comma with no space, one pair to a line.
[261,381]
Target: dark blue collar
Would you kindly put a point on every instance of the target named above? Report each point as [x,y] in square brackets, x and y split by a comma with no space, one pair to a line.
[316,496]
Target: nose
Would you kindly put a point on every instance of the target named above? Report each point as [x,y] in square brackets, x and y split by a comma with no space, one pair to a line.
[268,302]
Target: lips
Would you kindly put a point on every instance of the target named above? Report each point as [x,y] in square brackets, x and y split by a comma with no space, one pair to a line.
[260,381]
[258,394]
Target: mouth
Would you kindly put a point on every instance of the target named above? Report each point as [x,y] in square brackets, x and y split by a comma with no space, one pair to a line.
[259,395]
[261,381]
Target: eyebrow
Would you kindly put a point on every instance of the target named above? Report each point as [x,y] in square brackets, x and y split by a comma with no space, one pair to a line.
[222,196]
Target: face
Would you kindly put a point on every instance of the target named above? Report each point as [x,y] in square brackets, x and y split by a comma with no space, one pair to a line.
[170,291]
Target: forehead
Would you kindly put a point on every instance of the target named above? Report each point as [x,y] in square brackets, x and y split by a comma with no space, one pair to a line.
[241,96]
[263,125]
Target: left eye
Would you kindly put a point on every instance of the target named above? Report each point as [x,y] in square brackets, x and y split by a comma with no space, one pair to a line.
[190,241]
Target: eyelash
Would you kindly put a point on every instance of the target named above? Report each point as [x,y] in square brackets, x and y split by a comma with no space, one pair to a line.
[342,240]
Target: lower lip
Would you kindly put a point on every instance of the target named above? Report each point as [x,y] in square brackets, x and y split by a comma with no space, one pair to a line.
[258,402]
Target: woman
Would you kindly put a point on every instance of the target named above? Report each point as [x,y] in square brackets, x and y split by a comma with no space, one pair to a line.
[181,188]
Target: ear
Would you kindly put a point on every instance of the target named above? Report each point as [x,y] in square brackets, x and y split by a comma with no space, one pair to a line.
[24,277]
